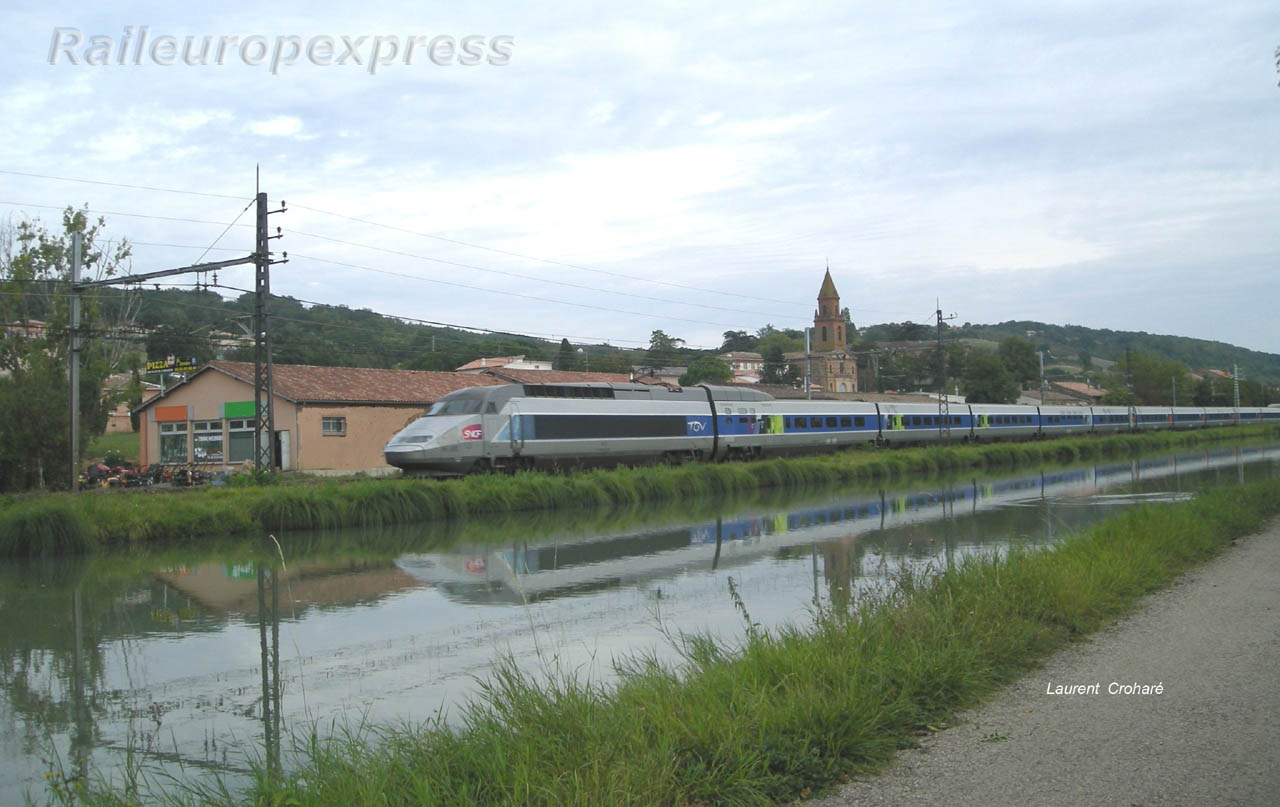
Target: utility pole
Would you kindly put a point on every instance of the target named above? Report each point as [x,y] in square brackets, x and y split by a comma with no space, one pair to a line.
[944,405]
[1040,353]
[264,456]
[1235,377]
[1174,381]
[260,257]
[73,377]
[808,393]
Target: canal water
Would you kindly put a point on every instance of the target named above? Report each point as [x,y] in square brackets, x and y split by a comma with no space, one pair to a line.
[194,660]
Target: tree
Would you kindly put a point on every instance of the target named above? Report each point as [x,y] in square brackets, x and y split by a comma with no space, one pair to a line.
[739,340]
[179,338]
[35,275]
[663,349]
[774,368]
[1020,359]
[707,370]
[957,357]
[1145,380]
[1202,393]
[566,359]
[987,380]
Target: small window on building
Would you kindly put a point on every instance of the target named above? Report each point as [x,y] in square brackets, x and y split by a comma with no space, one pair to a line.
[333,427]
[173,442]
[240,440]
[206,441]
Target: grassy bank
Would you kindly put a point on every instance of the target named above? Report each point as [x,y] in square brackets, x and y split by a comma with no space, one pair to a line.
[69,523]
[786,712]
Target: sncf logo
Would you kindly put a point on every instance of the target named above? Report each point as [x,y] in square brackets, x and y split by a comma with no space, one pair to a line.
[472,432]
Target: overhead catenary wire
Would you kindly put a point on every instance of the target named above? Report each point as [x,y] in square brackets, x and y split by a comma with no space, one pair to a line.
[564,283]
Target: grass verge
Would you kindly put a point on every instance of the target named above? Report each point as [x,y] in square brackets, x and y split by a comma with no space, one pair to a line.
[67,523]
[785,713]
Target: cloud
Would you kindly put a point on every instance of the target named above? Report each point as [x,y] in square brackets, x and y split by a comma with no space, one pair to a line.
[1000,159]
[279,126]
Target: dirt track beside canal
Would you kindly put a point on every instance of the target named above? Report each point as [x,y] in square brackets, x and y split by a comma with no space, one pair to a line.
[1211,737]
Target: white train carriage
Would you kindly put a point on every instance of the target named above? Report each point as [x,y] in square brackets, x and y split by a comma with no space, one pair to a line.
[1112,418]
[1004,422]
[1188,417]
[1063,420]
[922,423]
[1219,416]
[796,427]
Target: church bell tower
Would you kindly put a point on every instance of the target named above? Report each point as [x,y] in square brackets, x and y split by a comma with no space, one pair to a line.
[828,324]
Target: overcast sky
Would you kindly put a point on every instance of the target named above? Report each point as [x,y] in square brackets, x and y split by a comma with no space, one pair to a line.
[607,169]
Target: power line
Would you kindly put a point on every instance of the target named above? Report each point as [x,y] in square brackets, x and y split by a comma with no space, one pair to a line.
[532,277]
[121,213]
[549,261]
[514,293]
[122,185]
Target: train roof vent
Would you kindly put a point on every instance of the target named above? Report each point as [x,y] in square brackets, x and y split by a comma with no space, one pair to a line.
[566,391]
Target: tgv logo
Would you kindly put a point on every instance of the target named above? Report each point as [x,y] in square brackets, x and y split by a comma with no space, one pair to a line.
[696,425]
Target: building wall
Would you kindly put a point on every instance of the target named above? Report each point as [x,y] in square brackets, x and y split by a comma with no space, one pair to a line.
[367,430]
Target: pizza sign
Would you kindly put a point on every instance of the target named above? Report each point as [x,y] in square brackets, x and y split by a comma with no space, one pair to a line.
[473,432]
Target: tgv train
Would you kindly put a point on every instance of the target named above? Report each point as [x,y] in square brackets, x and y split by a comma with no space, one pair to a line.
[519,426]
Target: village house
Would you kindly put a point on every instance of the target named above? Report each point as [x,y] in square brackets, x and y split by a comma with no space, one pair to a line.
[503,363]
[746,365]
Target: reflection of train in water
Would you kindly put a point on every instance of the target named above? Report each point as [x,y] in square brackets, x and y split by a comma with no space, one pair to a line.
[576,564]
[516,426]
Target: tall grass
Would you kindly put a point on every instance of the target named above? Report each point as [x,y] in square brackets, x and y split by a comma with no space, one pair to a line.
[778,715]
[54,523]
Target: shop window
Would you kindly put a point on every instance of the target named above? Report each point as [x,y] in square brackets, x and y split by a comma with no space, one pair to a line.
[240,440]
[206,441]
[173,442]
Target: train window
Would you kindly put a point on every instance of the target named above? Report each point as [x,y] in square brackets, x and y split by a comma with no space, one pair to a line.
[815,423]
[742,420]
[454,406]
[846,423]
[802,423]
[915,420]
[786,423]
[955,420]
[490,408]
[831,423]
[859,422]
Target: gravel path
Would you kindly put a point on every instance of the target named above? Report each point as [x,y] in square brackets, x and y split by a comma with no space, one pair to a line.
[1210,737]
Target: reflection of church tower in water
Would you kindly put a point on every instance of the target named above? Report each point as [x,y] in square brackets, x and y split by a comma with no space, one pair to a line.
[834,369]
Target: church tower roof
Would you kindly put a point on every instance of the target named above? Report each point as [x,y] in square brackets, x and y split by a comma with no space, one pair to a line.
[828,289]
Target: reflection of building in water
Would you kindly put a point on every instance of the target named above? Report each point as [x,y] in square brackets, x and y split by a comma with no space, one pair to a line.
[233,588]
[841,561]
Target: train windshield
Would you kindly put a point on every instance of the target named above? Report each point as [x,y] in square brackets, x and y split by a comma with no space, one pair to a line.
[455,406]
